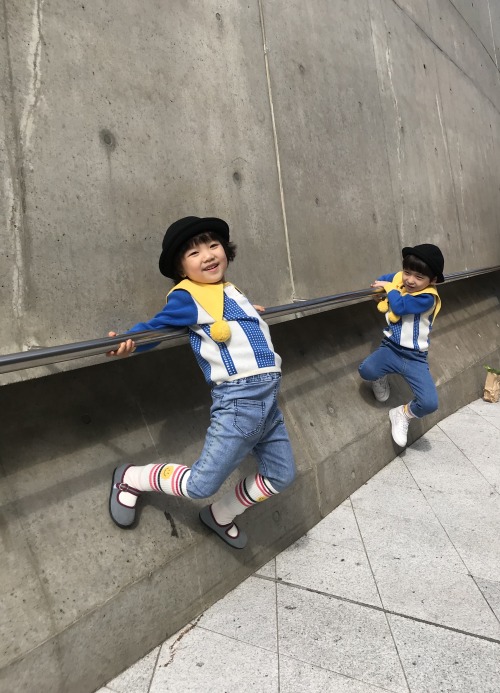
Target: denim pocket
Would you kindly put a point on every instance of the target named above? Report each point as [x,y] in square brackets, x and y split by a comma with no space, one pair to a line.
[248,416]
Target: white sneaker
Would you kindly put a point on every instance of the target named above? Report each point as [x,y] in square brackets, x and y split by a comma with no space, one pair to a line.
[399,423]
[381,389]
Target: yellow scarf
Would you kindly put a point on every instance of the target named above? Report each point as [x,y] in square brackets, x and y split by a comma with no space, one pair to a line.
[397,284]
[211,298]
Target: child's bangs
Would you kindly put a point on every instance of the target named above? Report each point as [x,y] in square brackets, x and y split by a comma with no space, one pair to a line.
[415,264]
[205,237]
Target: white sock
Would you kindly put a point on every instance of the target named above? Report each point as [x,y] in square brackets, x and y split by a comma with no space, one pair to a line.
[407,412]
[167,478]
[251,490]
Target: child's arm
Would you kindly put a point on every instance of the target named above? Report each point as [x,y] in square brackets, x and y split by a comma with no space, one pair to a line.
[179,311]
[408,304]
[385,278]
[382,284]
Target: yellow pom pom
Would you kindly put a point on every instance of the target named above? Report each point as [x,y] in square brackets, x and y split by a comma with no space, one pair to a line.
[220,331]
[392,316]
[383,305]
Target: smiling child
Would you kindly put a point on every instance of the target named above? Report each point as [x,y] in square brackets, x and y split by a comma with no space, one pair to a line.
[410,309]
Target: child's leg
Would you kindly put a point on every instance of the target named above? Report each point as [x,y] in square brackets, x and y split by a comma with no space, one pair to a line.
[375,369]
[130,481]
[235,426]
[380,362]
[425,399]
[223,450]
[242,419]
[420,380]
[276,472]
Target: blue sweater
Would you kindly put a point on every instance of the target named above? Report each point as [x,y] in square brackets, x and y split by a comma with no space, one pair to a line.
[414,326]
[249,350]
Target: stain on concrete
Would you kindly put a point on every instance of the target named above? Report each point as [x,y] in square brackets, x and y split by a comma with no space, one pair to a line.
[108,139]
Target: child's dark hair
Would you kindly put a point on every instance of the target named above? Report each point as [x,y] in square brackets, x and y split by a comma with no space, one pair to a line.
[206,237]
[415,264]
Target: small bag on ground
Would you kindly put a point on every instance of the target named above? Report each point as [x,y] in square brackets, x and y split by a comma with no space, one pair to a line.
[492,386]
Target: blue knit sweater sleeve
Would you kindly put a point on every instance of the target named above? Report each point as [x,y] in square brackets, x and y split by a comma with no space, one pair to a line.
[387,277]
[179,311]
[408,304]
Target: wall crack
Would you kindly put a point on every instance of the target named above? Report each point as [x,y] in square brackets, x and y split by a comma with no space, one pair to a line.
[35,82]
[399,126]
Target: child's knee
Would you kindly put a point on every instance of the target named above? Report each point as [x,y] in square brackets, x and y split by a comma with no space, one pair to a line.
[198,491]
[427,406]
[285,479]
[366,372]
[289,477]
[431,403]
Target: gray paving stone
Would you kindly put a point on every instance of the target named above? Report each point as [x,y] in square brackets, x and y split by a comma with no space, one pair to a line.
[464,509]
[479,548]
[444,467]
[268,570]
[400,502]
[437,595]
[490,410]
[402,538]
[479,415]
[491,592]
[436,659]
[248,613]
[336,570]
[200,661]
[136,678]
[299,677]
[480,406]
[435,433]
[338,636]
[396,475]
[479,440]
[339,528]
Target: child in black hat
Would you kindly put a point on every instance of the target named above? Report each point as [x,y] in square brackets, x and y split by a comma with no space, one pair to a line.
[410,309]
[233,347]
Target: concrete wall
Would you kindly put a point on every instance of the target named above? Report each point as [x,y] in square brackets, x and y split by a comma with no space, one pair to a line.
[328,133]
[82,599]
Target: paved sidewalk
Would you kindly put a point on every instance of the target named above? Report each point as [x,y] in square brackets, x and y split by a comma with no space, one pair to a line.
[396,590]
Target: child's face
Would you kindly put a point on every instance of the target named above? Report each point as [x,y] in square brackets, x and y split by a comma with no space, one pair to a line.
[205,263]
[414,281]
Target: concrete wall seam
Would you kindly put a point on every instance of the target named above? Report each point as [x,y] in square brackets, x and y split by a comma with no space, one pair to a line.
[276,146]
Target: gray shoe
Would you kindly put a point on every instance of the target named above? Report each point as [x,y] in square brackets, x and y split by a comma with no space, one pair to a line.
[237,542]
[122,515]
[381,389]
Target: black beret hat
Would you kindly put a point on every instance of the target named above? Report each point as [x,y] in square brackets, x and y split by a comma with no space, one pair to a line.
[431,255]
[181,231]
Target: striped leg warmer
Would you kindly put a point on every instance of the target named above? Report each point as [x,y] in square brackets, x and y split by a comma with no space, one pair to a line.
[251,490]
[167,478]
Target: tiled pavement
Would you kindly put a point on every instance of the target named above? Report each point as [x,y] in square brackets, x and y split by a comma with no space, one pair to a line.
[396,590]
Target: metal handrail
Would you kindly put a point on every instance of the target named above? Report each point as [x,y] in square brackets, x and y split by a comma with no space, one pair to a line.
[44,356]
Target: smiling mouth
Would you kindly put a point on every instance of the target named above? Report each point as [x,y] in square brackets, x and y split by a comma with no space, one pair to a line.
[211,267]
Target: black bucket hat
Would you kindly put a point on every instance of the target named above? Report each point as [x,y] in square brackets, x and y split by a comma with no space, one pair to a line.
[181,231]
[431,255]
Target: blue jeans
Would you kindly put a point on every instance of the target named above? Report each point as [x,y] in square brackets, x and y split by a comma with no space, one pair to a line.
[244,418]
[412,365]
